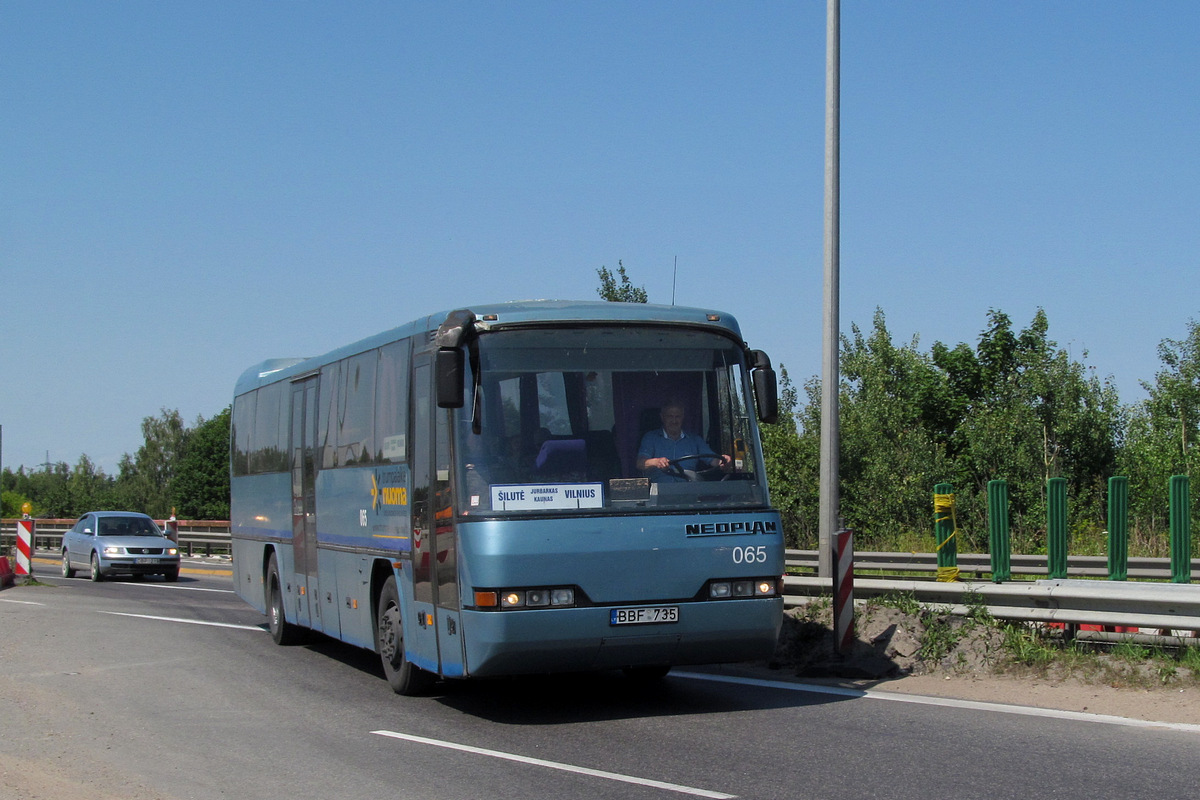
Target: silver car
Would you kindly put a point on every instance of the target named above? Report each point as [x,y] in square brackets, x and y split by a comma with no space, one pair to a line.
[118,543]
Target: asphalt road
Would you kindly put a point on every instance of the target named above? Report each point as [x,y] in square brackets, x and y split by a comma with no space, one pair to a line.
[144,689]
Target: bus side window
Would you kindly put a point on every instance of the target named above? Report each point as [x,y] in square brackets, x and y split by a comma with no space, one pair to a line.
[391,414]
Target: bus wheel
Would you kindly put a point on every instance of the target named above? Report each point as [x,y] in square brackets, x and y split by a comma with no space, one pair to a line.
[404,677]
[282,631]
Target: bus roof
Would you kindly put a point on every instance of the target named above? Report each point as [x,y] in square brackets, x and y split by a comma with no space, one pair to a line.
[497,316]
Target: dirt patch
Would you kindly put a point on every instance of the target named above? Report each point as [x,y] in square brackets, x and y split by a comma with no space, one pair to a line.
[889,643]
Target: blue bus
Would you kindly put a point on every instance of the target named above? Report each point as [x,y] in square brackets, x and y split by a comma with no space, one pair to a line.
[490,492]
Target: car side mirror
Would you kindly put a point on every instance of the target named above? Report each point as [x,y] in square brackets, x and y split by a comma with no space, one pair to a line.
[88,531]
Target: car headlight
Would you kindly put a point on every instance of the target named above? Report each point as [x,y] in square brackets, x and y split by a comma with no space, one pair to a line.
[112,551]
[171,551]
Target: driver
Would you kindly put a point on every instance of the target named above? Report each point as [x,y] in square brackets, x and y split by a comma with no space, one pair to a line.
[670,443]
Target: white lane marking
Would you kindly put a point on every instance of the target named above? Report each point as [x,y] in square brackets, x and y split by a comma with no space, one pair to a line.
[538,762]
[183,588]
[186,621]
[22,602]
[949,702]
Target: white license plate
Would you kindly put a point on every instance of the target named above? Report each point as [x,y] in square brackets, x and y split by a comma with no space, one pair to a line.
[145,561]
[643,616]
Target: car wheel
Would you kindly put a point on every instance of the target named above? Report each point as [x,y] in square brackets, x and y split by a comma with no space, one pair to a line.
[282,631]
[96,575]
[403,676]
[171,575]
[67,570]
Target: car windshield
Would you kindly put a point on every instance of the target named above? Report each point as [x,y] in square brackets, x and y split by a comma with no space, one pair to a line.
[566,419]
[127,526]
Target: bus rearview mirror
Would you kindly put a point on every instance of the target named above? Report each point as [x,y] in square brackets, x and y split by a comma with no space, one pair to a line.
[450,368]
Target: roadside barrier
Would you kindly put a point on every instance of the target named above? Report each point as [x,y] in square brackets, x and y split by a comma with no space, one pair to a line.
[7,576]
[843,591]
[24,564]
[1157,606]
[1057,533]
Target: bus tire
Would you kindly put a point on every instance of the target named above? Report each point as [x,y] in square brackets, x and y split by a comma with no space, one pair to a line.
[282,631]
[404,677]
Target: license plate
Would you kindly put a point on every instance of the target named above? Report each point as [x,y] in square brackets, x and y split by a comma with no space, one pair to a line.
[145,561]
[643,616]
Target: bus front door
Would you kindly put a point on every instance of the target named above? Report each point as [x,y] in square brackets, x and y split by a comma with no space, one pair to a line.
[304,500]
[432,627]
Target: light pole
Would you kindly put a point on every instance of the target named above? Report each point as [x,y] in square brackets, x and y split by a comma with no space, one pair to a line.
[830,518]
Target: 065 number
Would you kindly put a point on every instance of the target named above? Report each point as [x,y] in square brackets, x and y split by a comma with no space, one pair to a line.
[750,555]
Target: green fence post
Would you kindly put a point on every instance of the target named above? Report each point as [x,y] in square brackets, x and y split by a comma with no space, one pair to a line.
[944,529]
[1118,528]
[1001,547]
[1056,527]
[1181,530]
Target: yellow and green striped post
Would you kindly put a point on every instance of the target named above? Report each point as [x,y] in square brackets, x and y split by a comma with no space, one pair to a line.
[945,528]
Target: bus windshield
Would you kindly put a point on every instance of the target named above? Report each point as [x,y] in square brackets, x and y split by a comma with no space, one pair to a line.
[563,421]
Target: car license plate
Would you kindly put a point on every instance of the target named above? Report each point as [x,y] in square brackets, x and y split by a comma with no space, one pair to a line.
[145,561]
[643,616]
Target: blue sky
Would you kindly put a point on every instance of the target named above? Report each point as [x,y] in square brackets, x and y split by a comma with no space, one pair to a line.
[189,188]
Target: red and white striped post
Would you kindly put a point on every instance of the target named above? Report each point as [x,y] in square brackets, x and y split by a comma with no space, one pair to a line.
[24,565]
[843,591]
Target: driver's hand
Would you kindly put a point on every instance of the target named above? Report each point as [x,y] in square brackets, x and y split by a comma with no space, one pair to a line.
[661,463]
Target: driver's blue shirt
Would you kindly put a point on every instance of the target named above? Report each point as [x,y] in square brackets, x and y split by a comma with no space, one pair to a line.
[656,444]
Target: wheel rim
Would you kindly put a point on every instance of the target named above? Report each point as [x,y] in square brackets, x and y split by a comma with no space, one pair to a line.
[276,611]
[66,564]
[391,639]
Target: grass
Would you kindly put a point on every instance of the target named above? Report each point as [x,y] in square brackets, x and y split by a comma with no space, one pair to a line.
[1127,664]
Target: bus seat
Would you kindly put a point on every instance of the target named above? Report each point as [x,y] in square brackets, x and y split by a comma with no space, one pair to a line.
[562,456]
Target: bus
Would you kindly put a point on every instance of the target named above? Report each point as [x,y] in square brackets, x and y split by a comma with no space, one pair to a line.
[464,496]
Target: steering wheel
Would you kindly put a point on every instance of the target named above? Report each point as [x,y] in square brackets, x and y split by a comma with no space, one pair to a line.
[675,469]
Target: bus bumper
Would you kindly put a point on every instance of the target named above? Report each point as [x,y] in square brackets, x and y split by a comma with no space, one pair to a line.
[582,639]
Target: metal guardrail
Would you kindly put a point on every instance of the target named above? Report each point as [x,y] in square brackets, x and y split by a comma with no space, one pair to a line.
[1159,606]
[978,565]
[1138,604]
[206,537]
[1134,604]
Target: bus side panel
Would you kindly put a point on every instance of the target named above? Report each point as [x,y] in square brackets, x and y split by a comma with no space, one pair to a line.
[362,514]
[260,519]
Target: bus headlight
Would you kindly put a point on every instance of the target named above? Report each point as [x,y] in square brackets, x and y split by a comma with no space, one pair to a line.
[539,597]
[743,587]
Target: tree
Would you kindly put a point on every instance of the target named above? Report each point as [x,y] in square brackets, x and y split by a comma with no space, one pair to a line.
[890,457]
[1162,431]
[144,482]
[201,486]
[623,292]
